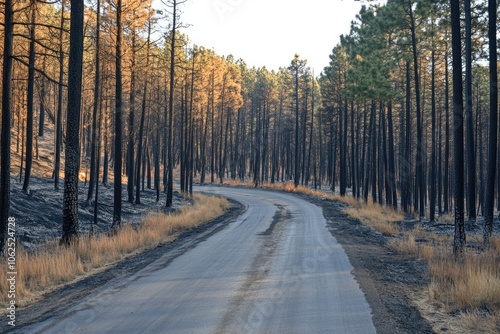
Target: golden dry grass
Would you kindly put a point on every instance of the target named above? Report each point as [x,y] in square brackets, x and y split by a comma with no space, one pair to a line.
[469,286]
[53,265]
[470,283]
[379,217]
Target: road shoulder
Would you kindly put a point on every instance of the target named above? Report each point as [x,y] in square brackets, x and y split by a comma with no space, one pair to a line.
[388,279]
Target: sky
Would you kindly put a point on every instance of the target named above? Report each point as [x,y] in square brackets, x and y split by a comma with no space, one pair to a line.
[270,32]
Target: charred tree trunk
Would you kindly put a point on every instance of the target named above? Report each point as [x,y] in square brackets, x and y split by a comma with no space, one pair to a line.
[72,165]
[95,107]
[30,99]
[117,183]
[458,131]
[6,116]
[492,147]
[471,156]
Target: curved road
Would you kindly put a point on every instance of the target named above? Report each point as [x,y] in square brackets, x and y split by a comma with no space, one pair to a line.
[276,269]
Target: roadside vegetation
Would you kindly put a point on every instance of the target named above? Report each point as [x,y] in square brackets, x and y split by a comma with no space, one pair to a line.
[52,265]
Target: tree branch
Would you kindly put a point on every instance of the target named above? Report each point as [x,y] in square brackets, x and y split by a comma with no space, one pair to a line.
[40,25]
[20,60]
[37,42]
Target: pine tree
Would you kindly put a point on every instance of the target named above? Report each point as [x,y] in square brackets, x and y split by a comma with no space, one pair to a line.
[72,164]
[117,183]
[458,130]
[493,123]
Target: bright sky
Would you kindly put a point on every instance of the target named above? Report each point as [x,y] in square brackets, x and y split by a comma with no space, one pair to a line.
[270,32]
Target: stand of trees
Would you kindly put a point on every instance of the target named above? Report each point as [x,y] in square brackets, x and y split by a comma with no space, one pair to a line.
[376,124]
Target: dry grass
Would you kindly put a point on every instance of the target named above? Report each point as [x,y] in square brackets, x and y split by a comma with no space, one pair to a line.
[470,286]
[476,322]
[53,265]
[381,218]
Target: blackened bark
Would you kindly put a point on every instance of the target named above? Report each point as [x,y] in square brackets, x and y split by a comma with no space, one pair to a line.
[297,175]
[373,152]
[30,99]
[434,143]
[72,165]
[6,116]
[492,149]
[458,131]
[392,167]
[117,205]
[446,178]
[343,150]
[420,143]
[141,126]
[131,133]
[58,148]
[471,155]
[170,157]
[95,107]
[354,169]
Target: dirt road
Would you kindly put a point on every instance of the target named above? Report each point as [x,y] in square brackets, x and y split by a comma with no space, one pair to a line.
[274,269]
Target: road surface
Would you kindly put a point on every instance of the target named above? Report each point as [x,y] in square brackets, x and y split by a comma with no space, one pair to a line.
[276,269]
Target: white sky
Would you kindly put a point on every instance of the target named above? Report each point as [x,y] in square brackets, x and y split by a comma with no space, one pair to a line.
[269,33]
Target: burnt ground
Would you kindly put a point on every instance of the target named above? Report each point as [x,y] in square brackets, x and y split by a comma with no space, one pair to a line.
[38,213]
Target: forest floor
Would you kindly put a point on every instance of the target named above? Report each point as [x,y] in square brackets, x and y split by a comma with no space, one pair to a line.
[39,214]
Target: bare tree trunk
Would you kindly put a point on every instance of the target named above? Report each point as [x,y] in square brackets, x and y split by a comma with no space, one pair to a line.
[6,116]
[458,131]
[57,165]
[131,125]
[433,173]
[446,178]
[117,183]
[41,115]
[297,175]
[392,166]
[30,99]
[95,107]
[72,165]
[492,147]
[141,127]
[420,143]
[471,156]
